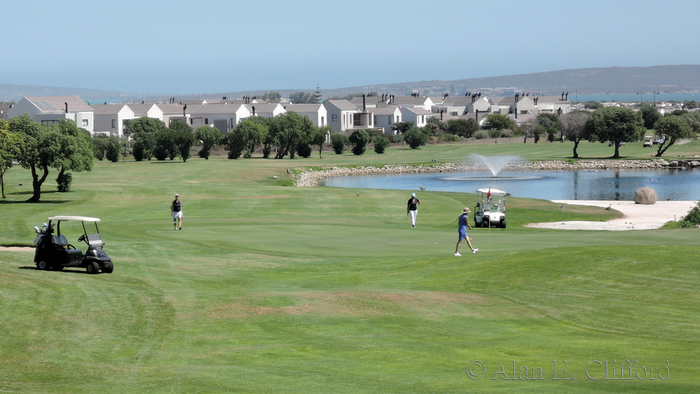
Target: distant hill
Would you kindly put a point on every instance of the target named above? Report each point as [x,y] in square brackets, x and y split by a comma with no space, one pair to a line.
[586,81]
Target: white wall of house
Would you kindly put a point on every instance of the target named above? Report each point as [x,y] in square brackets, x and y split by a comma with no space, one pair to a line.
[316,112]
[340,114]
[113,122]
[385,118]
[83,117]
[418,116]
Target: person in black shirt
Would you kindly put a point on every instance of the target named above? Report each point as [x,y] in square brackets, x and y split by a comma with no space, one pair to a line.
[412,208]
[176,211]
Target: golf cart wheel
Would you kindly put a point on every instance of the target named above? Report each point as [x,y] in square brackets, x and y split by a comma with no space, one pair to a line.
[93,268]
[42,265]
[108,267]
[503,223]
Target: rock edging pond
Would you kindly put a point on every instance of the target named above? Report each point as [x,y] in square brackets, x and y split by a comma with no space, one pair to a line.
[313,177]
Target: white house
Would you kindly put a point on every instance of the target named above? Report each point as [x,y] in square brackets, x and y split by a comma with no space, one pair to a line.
[341,114]
[111,119]
[418,115]
[316,112]
[266,110]
[51,109]
[150,110]
[384,118]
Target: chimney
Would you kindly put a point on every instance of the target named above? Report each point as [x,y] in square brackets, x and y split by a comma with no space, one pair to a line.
[184,109]
[364,107]
[477,116]
[66,107]
[253,111]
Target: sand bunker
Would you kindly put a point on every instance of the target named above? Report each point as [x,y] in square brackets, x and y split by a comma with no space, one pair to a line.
[636,216]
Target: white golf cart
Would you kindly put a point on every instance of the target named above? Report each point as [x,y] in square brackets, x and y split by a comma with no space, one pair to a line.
[54,252]
[490,208]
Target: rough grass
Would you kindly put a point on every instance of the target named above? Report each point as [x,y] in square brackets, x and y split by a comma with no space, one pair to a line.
[272,288]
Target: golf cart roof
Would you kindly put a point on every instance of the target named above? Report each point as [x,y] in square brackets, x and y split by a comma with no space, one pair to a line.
[493,191]
[76,218]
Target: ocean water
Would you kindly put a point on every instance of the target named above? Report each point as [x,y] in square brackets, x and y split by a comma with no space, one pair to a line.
[627,98]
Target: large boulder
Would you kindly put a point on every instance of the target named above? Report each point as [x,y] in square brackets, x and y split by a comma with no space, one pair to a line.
[645,195]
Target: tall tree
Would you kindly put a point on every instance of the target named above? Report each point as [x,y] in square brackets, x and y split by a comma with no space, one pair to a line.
[144,131]
[616,125]
[183,138]
[319,138]
[317,96]
[573,125]
[673,128]
[208,137]
[76,152]
[360,138]
[402,127]
[649,115]
[41,147]
[10,148]
[498,122]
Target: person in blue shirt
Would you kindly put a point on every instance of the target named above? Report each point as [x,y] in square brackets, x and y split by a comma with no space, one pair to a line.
[462,229]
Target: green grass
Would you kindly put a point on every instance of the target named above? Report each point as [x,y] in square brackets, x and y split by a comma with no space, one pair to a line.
[276,288]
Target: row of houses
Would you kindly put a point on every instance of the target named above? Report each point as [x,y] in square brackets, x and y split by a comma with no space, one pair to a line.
[373,112]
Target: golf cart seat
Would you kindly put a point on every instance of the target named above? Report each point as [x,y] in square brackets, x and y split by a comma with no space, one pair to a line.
[61,241]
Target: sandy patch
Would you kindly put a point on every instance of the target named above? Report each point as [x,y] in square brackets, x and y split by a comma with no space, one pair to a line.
[16,249]
[636,216]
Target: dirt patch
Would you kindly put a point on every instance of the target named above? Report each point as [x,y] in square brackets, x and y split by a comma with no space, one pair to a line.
[354,304]
[16,249]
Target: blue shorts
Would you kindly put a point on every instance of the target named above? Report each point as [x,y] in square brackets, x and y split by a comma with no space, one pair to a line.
[462,234]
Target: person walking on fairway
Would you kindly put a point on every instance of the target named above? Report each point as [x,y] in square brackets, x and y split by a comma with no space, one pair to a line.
[176,211]
[412,208]
[462,229]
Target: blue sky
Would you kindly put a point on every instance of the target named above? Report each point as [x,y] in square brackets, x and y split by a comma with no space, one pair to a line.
[211,46]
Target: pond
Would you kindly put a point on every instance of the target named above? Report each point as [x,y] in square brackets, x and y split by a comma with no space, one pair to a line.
[672,184]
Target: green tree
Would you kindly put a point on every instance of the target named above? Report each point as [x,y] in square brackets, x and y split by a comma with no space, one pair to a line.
[673,128]
[272,96]
[113,149]
[573,125]
[381,143]
[319,138]
[143,131]
[550,123]
[498,122]
[238,139]
[616,125]
[164,145]
[209,137]
[462,127]
[592,105]
[338,141]
[183,138]
[301,98]
[99,142]
[39,152]
[402,127]
[76,153]
[649,115]
[10,148]
[360,138]
[415,138]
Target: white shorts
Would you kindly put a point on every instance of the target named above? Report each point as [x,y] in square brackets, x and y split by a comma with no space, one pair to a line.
[177,215]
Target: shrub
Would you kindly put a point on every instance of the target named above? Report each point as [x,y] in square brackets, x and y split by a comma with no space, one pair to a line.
[692,218]
[495,133]
[449,138]
[415,138]
[360,138]
[380,144]
[64,180]
[506,133]
[113,149]
[395,139]
[480,134]
[432,140]
[247,155]
[304,149]
[338,141]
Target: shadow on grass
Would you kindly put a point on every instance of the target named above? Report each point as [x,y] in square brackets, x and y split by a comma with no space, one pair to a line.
[63,271]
